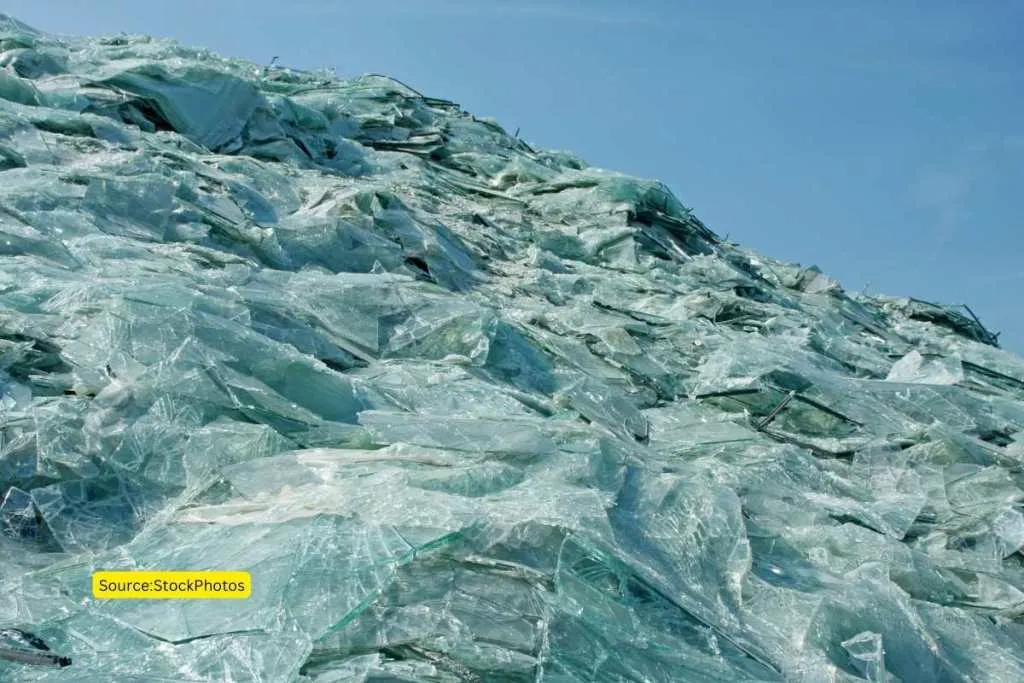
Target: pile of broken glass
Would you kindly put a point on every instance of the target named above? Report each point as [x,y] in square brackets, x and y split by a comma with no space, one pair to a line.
[466,410]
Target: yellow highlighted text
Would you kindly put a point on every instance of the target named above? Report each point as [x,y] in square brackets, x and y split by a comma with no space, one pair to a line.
[176,585]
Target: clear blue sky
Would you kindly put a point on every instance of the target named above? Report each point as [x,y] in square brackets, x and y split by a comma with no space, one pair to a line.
[881,140]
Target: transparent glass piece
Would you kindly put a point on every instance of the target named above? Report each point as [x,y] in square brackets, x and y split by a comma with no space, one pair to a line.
[466,409]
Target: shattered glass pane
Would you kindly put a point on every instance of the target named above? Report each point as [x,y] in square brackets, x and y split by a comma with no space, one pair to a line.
[466,410]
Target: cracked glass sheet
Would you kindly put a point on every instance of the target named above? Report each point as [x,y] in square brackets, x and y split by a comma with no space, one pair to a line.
[466,410]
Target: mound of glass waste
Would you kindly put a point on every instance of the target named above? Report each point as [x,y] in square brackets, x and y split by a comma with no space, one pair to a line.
[466,410]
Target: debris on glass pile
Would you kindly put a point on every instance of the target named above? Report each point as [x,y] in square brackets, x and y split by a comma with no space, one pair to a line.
[467,410]
[19,646]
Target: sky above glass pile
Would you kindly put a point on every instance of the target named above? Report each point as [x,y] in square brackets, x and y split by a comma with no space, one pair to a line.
[881,141]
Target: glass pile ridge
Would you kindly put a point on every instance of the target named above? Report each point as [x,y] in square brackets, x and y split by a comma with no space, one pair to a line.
[467,410]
